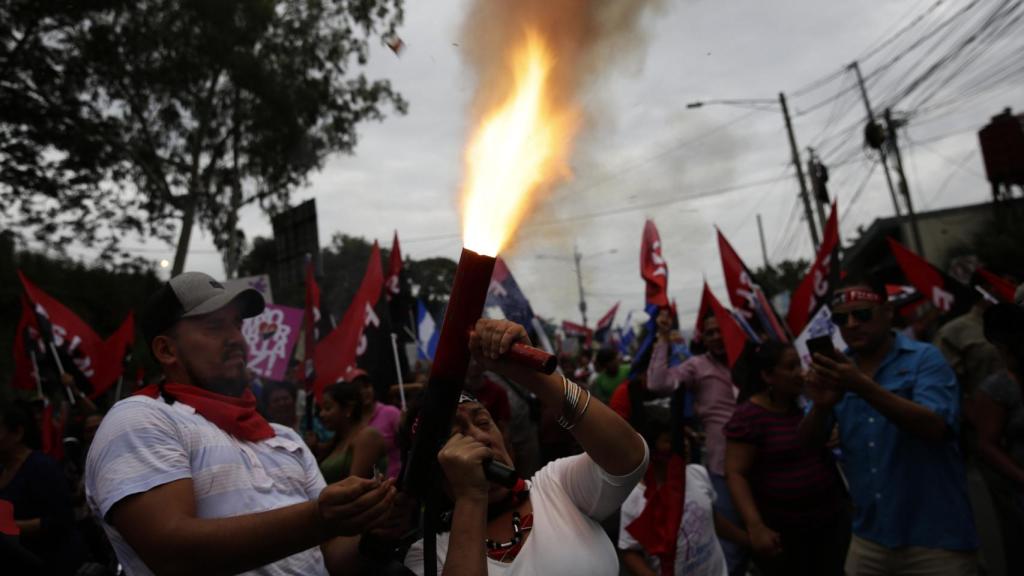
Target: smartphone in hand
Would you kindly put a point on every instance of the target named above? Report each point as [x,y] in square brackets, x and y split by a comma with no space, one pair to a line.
[822,345]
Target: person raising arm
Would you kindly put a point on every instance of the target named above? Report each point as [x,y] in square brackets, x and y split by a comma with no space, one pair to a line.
[558,510]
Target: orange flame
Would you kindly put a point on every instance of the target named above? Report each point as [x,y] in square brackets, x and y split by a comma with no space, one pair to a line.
[520,147]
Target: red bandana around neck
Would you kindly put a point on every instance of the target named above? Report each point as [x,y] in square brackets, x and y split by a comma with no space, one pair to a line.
[657,527]
[235,415]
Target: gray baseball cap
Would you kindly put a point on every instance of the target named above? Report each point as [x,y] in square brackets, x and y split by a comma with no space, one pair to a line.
[194,294]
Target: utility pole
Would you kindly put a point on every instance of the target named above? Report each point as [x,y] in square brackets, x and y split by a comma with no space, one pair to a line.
[873,126]
[764,247]
[818,174]
[891,130]
[576,256]
[799,171]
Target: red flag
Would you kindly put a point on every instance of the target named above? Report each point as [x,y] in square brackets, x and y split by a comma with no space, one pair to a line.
[339,351]
[945,293]
[394,270]
[1002,289]
[733,335]
[111,365]
[657,527]
[653,268]
[69,334]
[815,289]
[738,282]
[746,297]
[7,523]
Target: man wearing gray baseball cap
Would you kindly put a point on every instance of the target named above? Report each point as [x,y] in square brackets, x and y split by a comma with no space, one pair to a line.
[189,478]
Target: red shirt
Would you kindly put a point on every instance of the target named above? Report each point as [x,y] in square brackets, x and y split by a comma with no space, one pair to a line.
[619,401]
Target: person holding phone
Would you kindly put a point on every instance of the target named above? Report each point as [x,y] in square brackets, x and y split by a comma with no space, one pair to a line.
[188,478]
[897,404]
[788,491]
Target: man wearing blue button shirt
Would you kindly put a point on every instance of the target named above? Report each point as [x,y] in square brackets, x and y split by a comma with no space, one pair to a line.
[897,405]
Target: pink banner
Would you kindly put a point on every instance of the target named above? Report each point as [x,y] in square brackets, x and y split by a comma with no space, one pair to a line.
[271,338]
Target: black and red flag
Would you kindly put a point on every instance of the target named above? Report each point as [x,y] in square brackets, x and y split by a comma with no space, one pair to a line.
[815,290]
[401,306]
[574,330]
[363,337]
[944,292]
[746,297]
[604,325]
[52,331]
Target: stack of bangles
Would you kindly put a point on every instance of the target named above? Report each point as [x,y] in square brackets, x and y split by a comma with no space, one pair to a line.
[571,411]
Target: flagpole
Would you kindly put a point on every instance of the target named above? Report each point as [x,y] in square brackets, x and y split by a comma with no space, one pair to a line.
[398,370]
[60,368]
[35,372]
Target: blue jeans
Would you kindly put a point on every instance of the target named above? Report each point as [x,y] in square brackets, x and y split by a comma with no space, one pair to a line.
[736,556]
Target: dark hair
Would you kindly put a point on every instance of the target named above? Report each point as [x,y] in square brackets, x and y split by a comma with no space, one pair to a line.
[605,355]
[658,421]
[18,414]
[756,359]
[271,386]
[347,394]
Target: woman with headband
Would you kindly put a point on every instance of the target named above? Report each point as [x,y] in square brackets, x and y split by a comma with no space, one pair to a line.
[549,524]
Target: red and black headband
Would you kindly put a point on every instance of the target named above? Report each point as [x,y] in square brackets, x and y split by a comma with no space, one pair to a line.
[854,295]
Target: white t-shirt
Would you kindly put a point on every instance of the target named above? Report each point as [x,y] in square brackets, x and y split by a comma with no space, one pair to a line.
[569,497]
[144,443]
[698,552]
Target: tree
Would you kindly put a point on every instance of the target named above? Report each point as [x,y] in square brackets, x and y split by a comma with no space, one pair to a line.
[193,109]
[783,277]
[343,264]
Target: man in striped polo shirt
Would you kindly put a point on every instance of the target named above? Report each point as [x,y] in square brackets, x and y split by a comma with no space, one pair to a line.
[188,478]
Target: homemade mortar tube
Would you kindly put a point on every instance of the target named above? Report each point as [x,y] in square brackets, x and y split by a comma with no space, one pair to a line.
[448,375]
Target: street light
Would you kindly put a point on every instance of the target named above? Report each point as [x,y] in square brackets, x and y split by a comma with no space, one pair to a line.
[576,258]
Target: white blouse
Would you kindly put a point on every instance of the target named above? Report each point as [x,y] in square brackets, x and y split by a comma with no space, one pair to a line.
[569,497]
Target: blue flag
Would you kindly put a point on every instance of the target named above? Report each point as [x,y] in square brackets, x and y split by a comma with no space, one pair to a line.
[426,332]
[505,294]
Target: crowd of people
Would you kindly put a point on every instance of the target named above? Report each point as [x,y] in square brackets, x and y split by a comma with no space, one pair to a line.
[675,462]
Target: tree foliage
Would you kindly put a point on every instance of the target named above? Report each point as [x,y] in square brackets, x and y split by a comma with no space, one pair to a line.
[343,263]
[149,115]
[784,276]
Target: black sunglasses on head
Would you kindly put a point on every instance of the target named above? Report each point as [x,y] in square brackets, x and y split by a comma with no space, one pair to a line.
[861,316]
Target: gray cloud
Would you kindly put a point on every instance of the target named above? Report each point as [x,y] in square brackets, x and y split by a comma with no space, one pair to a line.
[632,161]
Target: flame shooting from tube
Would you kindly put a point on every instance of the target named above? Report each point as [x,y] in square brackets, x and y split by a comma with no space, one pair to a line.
[520,147]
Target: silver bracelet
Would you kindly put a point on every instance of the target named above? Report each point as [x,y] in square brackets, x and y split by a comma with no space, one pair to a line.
[572,392]
[579,416]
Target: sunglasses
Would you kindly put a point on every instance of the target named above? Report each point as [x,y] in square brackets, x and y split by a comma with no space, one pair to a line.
[861,316]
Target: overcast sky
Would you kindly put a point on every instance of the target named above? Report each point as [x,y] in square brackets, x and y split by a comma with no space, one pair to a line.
[645,155]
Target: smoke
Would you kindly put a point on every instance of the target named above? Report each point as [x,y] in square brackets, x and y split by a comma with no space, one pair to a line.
[585,36]
[590,41]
